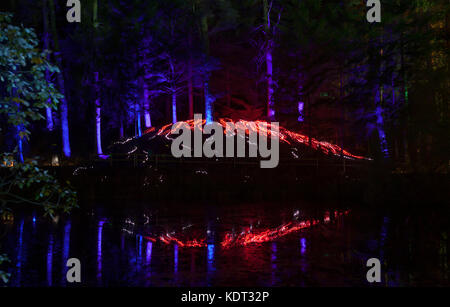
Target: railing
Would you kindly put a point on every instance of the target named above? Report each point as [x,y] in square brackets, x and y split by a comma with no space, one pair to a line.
[137,160]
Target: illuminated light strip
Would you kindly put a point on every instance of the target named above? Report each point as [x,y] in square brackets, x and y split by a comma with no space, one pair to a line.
[263,127]
[150,239]
[125,141]
[265,236]
[151,129]
[168,239]
[164,128]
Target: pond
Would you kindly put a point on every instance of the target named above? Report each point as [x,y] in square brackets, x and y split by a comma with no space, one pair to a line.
[269,244]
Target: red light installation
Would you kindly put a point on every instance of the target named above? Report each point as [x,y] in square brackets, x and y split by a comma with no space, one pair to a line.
[259,126]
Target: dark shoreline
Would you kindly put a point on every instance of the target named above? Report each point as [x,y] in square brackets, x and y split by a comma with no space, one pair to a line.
[367,186]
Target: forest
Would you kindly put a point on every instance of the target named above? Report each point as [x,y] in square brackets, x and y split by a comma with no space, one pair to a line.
[380,89]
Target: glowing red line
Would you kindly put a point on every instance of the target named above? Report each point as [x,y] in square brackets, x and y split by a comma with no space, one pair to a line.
[168,239]
[247,237]
[151,129]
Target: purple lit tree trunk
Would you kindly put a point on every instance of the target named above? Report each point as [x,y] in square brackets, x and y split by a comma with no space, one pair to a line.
[190,86]
[404,95]
[301,109]
[300,95]
[143,81]
[98,115]
[209,99]
[121,129]
[138,119]
[270,101]
[268,60]
[48,111]
[98,108]
[19,144]
[380,123]
[60,80]
[174,107]
[173,90]
[64,115]
[190,91]
[208,102]
[379,100]
[19,131]
[137,106]
[145,97]
[49,115]
[147,118]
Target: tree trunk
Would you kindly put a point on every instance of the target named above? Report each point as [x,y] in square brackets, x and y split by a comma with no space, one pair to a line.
[137,106]
[190,86]
[48,110]
[190,93]
[138,119]
[381,133]
[269,66]
[379,110]
[173,92]
[174,107]
[148,121]
[19,144]
[405,100]
[98,106]
[19,129]
[270,102]
[209,101]
[121,132]
[98,116]
[60,79]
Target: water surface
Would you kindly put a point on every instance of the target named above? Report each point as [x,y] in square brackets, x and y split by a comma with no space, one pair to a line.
[129,247]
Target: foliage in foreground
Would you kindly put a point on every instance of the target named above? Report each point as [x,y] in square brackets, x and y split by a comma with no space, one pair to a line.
[3,275]
[25,93]
[26,183]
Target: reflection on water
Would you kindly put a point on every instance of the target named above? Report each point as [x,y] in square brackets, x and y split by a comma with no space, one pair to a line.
[175,260]
[303,260]
[210,265]
[19,253]
[50,260]
[99,249]
[303,246]
[273,259]
[249,246]
[66,249]
[148,253]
